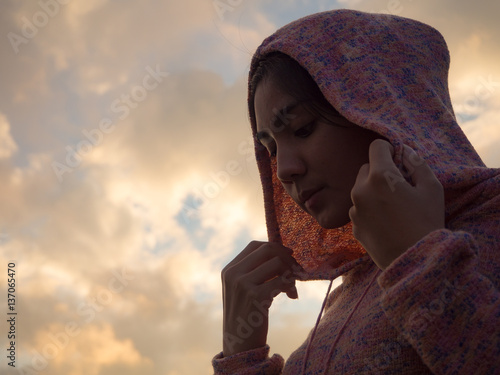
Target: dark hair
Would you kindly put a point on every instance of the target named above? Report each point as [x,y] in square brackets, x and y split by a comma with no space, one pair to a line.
[290,77]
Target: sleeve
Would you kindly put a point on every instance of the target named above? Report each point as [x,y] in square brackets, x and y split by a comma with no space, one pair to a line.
[442,299]
[251,362]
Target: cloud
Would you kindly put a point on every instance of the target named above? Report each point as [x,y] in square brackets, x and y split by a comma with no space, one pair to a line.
[471,33]
[122,205]
[169,193]
[483,134]
[7,144]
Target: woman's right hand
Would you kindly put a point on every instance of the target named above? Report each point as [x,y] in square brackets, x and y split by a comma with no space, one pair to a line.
[249,283]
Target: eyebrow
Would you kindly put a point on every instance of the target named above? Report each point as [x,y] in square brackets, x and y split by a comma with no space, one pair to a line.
[279,116]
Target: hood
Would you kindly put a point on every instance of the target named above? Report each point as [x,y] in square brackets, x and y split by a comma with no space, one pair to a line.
[384,73]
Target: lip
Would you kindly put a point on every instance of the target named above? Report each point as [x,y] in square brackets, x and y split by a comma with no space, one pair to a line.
[306,195]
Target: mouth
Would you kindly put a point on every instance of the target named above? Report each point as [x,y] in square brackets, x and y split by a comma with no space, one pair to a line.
[306,195]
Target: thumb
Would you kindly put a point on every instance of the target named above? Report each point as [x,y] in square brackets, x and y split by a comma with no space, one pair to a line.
[417,168]
[292,293]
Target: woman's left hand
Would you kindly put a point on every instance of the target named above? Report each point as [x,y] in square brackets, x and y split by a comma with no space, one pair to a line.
[390,214]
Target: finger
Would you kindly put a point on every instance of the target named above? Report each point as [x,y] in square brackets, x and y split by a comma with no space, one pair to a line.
[381,155]
[362,173]
[273,268]
[254,246]
[292,293]
[264,253]
[418,169]
[383,170]
[286,254]
[360,180]
[272,288]
[251,247]
[352,213]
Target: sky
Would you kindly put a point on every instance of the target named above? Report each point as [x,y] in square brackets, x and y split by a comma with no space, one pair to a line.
[128,179]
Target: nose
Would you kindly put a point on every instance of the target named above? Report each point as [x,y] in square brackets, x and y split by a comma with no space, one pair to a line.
[290,164]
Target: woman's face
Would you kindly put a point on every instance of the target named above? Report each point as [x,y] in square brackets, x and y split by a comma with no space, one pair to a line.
[317,161]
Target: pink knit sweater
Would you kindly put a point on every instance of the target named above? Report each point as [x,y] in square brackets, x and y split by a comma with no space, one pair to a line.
[436,308]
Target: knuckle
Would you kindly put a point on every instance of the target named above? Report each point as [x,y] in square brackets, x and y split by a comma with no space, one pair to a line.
[436,185]
[229,274]
[275,292]
[352,214]
[355,191]
[379,178]
[277,252]
[244,287]
[357,194]
[416,160]
[223,273]
[360,195]
[278,265]
[252,294]
[241,285]
[287,276]
[255,244]
[276,261]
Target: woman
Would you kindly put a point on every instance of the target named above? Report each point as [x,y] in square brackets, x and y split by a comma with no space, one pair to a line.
[366,174]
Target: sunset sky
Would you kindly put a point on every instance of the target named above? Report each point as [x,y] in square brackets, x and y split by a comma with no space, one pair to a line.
[128,179]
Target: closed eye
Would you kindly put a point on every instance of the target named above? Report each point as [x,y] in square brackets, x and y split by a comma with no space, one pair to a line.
[306,130]
[272,150]
[303,132]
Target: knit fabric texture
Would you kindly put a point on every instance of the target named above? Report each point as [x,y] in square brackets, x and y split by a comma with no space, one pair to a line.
[436,308]
[384,73]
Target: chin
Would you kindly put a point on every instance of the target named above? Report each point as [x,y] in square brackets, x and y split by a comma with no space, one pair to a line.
[331,221]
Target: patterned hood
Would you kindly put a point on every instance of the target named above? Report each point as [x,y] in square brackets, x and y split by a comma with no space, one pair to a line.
[384,73]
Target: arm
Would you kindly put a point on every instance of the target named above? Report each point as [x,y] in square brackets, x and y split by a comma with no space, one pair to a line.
[249,284]
[441,287]
[438,296]
[252,362]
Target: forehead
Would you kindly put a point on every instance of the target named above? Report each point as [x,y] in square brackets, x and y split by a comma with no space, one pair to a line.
[271,103]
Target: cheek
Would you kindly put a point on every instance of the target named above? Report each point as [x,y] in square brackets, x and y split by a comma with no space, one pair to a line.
[340,166]
[330,159]
[348,149]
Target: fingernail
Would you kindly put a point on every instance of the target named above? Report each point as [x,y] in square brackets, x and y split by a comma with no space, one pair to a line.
[413,156]
[408,148]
